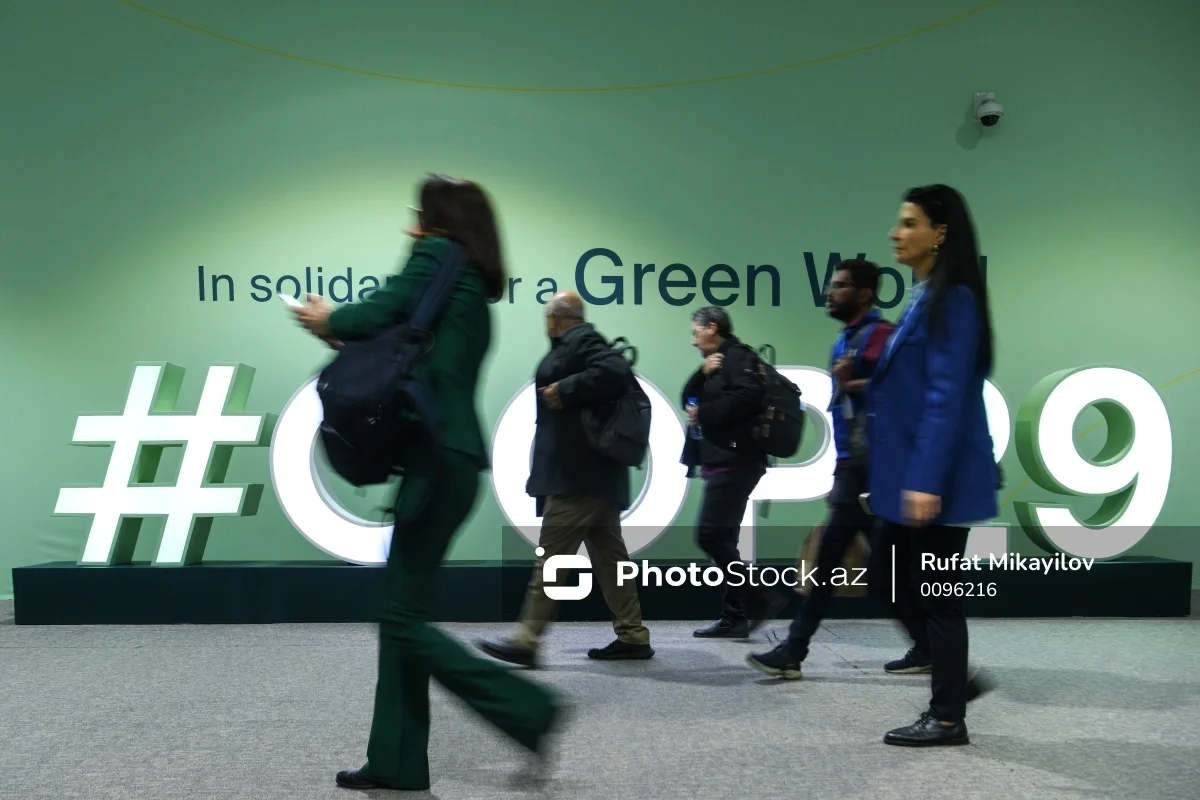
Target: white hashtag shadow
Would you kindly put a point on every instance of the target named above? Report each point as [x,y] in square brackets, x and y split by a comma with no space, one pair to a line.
[205,436]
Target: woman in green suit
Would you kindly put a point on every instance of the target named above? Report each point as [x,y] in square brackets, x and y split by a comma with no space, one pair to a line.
[411,650]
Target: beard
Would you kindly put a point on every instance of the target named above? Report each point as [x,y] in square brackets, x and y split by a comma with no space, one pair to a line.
[842,313]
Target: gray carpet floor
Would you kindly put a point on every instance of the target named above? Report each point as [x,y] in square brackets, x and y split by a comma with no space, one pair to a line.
[1082,709]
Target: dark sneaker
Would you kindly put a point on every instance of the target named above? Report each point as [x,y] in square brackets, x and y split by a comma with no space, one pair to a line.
[913,663]
[777,663]
[928,732]
[507,651]
[724,629]
[622,651]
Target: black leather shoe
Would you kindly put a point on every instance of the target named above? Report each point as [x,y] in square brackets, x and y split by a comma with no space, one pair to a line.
[507,651]
[928,732]
[354,779]
[724,629]
[622,651]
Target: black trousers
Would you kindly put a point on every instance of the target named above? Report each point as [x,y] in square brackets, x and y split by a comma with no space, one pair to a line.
[846,520]
[928,602]
[721,510]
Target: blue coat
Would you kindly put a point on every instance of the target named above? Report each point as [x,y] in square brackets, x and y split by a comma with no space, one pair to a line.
[926,423]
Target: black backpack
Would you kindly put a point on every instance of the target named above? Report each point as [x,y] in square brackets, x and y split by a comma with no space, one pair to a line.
[374,407]
[778,428]
[621,430]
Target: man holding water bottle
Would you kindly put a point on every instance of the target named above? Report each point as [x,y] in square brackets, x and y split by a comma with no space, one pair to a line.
[722,399]
[849,299]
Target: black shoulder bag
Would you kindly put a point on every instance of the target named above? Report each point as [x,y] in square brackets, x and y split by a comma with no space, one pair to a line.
[374,406]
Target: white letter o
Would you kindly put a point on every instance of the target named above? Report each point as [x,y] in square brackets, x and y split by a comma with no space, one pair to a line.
[648,516]
[305,501]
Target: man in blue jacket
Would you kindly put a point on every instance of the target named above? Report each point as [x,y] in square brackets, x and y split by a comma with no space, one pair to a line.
[849,299]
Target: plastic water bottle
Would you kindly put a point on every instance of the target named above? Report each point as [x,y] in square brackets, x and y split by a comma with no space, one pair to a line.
[694,430]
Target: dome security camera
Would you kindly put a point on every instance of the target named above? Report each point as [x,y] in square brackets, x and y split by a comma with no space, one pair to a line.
[987,110]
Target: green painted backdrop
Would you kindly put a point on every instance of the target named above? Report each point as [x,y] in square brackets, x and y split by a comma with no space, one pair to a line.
[136,149]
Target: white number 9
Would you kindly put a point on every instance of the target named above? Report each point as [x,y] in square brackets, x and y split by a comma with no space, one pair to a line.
[1132,470]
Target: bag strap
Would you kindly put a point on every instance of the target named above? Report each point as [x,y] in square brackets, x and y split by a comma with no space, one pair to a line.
[433,297]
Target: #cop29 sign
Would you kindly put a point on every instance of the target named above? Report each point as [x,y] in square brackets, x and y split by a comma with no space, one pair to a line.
[1132,472]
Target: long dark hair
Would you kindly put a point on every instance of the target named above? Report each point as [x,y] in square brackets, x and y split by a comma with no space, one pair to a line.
[461,210]
[956,261]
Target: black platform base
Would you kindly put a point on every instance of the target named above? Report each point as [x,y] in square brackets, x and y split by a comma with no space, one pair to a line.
[64,593]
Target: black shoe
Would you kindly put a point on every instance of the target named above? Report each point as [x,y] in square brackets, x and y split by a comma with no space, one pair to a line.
[355,779]
[772,605]
[507,651]
[622,651]
[928,732]
[777,663]
[914,662]
[724,629]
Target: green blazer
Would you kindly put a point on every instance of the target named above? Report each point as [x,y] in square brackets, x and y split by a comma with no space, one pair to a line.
[463,335]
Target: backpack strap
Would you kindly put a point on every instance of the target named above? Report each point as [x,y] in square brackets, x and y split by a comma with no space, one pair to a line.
[764,355]
[862,335]
[626,350]
[855,346]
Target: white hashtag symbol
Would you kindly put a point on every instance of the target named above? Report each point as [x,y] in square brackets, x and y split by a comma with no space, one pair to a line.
[138,438]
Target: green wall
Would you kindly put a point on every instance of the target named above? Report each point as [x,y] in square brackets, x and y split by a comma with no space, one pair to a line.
[136,150]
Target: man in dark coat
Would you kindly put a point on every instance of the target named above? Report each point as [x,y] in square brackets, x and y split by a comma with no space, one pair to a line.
[723,398]
[580,493]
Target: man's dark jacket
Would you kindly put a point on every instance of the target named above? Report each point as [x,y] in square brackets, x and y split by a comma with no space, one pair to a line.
[728,403]
[588,373]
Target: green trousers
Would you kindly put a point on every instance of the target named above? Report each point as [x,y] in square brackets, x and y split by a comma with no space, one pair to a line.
[411,650]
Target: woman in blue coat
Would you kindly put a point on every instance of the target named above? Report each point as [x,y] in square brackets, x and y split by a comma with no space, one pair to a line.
[932,470]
